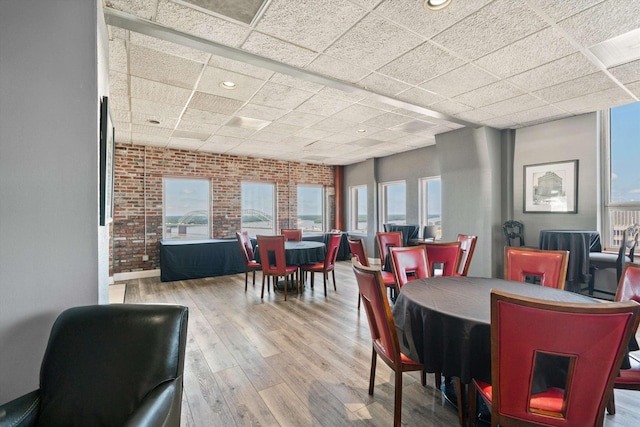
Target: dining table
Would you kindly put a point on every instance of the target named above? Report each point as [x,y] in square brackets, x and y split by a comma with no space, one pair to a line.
[579,243]
[445,323]
[301,252]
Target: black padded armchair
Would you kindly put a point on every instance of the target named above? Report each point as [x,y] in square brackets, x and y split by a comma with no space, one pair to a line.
[108,365]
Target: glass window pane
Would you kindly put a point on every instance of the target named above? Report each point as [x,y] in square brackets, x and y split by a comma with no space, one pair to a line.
[430,210]
[186,208]
[258,208]
[395,203]
[310,208]
[359,208]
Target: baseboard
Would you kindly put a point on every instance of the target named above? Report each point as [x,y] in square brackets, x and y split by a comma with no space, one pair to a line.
[129,275]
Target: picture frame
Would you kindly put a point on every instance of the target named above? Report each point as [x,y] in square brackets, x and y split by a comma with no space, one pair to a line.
[551,187]
[107,148]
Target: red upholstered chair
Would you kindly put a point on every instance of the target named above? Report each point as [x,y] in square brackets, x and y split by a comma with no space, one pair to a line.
[585,340]
[328,265]
[274,262]
[468,246]
[628,290]
[549,266]
[291,234]
[356,246]
[409,263]
[446,254]
[250,263]
[383,333]
[386,240]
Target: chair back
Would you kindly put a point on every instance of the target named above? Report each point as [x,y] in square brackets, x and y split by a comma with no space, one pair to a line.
[429,232]
[445,255]
[586,340]
[292,234]
[513,233]
[103,361]
[467,245]
[245,246]
[549,267]
[386,240]
[272,256]
[374,299]
[333,246]
[356,246]
[409,263]
[629,284]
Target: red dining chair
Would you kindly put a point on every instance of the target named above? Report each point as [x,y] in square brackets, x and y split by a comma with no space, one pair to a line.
[356,246]
[383,333]
[628,290]
[468,246]
[328,265]
[292,234]
[250,264]
[546,266]
[444,254]
[409,263]
[274,262]
[586,341]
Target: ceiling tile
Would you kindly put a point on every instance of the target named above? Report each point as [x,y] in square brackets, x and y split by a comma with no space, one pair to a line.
[118,85]
[240,67]
[159,92]
[373,42]
[461,80]
[299,118]
[247,124]
[341,138]
[388,120]
[514,105]
[269,47]
[420,64]
[489,29]
[358,113]
[142,118]
[154,108]
[634,88]
[450,107]
[593,25]
[595,82]
[266,136]
[596,101]
[245,88]
[150,140]
[169,48]
[322,105]
[200,24]
[261,112]
[311,133]
[235,131]
[489,94]
[333,125]
[187,134]
[558,10]
[534,50]
[141,8]
[337,69]
[197,127]
[214,103]
[535,115]
[627,73]
[224,140]
[313,24]
[280,96]
[151,130]
[118,56]
[287,80]
[206,117]
[383,85]
[161,67]
[419,96]
[184,144]
[414,126]
[282,128]
[500,123]
[561,70]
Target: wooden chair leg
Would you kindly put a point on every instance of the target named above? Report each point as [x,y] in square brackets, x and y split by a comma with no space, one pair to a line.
[254,279]
[397,404]
[333,273]
[264,276]
[246,279]
[324,281]
[611,405]
[359,298]
[438,379]
[372,375]
[473,405]
[285,287]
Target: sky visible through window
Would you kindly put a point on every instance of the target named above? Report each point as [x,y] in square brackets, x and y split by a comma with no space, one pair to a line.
[625,153]
[186,195]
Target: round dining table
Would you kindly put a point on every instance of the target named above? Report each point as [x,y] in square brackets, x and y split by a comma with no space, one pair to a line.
[302,252]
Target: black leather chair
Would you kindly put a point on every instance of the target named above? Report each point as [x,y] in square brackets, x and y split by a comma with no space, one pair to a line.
[108,365]
[602,260]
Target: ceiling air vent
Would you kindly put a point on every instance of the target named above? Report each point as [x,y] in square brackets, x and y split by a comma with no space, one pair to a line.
[246,11]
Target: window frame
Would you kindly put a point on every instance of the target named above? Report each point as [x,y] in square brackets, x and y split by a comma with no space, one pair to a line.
[164,207]
[322,207]
[274,213]
[383,205]
[354,212]
[423,200]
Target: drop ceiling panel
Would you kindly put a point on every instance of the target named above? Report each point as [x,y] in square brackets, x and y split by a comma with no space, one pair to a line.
[460,80]
[158,92]
[558,10]
[169,48]
[311,24]
[358,113]
[154,108]
[205,117]
[240,67]
[413,68]
[552,73]
[118,58]
[164,68]
[214,103]
[261,112]
[583,85]
[514,105]
[276,49]
[627,73]
[489,94]
[280,96]
[595,101]
[239,10]
[337,69]
[383,85]
[420,96]
[322,105]
[141,8]
[300,118]
[245,88]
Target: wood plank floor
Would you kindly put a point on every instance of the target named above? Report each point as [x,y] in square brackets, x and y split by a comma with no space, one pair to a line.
[300,362]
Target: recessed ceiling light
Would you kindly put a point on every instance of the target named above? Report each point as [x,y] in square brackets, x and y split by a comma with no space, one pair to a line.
[436,5]
[228,85]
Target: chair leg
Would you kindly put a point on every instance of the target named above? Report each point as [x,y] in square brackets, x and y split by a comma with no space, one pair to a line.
[325,277]
[254,279]
[285,287]
[423,377]
[611,405]
[246,279]
[372,375]
[397,405]
[312,276]
[264,276]
[461,391]
[438,379]
[359,298]
[333,273]
[473,405]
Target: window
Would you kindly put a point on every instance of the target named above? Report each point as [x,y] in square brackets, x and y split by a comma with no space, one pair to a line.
[393,202]
[358,209]
[258,208]
[186,208]
[310,208]
[429,199]
[622,186]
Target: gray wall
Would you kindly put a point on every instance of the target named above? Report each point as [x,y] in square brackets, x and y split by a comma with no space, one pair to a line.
[49,250]
[566,139]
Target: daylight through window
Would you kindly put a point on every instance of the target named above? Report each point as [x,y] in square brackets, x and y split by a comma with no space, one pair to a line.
[310,208]
[258,208]
[358,209]
[394,202]
[186,208]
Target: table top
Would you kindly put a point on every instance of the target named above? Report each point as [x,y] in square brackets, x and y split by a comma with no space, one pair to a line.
[305,244]
[299,253]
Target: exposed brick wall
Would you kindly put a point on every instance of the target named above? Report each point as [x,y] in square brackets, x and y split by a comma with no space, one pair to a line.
[134,175]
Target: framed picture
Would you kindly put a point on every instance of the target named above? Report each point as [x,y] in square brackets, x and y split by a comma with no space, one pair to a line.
[551,187]
[107,147]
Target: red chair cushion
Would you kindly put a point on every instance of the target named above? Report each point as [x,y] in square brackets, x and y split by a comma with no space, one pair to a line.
[550,400]
[319,266]
[388,279]
[629,376]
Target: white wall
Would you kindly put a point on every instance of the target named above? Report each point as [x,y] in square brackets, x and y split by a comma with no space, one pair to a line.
[567,139]
[49,251]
